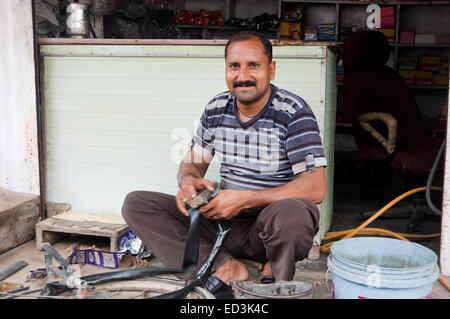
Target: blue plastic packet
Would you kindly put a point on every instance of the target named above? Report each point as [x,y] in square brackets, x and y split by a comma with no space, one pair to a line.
[129,242]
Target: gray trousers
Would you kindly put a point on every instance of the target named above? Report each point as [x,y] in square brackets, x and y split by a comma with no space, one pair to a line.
[281,233]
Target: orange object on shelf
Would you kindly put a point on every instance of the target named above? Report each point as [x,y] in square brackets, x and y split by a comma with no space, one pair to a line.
[291,30]
[202,18]
[389,33]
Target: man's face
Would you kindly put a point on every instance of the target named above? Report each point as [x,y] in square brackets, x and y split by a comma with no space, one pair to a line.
[248,72]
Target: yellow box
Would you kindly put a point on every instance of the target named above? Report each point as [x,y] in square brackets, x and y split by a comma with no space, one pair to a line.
[290,30]
[424,78]
[440,80]
[444,67]
[424,75]
[430,59]
[430,63]
[389,32]
[408,76]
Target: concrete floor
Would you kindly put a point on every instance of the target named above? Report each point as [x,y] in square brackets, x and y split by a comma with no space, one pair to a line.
[308,271]
[354,192]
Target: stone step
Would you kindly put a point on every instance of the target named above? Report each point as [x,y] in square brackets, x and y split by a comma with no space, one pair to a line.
[19,213]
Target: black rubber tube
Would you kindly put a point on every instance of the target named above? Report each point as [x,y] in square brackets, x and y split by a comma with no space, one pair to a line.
[189,263]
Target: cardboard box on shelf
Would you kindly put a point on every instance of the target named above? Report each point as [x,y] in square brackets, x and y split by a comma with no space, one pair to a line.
[424,78]
[389,33]
[440,80]
[290,30]
[387,11]
[407,63]
[425,38]
[444,67]
[408,76]
[326,32]
[310,33]
[387,22]
[387,17]
[406,37]
[310,37]
[442,38]
[430,63]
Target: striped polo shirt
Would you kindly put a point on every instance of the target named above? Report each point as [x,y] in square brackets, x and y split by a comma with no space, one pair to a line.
[269,150]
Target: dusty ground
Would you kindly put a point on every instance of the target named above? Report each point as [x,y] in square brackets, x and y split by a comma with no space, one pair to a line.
[35,259]
[309,271]
[354,193]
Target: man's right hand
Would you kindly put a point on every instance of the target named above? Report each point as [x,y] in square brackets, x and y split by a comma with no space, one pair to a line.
[188,190]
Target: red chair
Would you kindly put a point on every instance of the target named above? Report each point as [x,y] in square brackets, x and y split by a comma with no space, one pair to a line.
[372,90]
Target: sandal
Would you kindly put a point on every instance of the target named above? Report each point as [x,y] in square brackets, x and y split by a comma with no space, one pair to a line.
[268,279]
[218,288]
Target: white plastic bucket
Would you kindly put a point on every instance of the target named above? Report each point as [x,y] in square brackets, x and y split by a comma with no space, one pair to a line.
[381,268]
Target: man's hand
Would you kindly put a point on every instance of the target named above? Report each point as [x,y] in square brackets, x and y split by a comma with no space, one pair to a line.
[225,205]
[188,190]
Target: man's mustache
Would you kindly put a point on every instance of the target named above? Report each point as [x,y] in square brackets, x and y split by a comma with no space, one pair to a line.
[245,83]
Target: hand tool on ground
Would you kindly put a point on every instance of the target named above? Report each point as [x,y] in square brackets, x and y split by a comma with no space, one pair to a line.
[62,271]
[10,287]
[189,261]
[12,269]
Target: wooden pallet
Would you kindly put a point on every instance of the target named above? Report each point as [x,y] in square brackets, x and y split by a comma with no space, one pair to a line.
[51,229]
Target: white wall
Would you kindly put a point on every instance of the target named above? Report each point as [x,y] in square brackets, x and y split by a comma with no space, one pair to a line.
[445,231]
[19,169]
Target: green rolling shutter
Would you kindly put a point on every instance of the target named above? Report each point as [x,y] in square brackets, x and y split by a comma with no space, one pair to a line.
[119,117]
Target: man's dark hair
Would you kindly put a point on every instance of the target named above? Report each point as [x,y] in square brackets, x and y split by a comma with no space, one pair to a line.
[249,35]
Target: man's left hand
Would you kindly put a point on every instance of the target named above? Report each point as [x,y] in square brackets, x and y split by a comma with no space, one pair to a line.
[225,205]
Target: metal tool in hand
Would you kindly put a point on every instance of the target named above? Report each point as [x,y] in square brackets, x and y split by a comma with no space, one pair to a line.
[223,228]
[189,261]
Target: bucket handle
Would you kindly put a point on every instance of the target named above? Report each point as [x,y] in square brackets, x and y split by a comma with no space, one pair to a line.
[326,279]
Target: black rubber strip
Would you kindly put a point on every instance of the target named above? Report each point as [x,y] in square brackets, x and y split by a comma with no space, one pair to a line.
[189,263]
